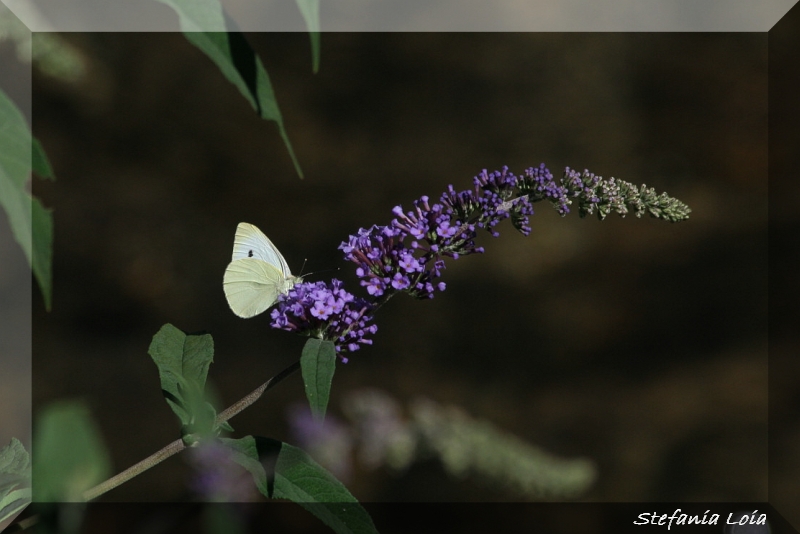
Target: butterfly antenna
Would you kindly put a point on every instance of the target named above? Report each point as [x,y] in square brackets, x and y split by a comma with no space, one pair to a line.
[324,271]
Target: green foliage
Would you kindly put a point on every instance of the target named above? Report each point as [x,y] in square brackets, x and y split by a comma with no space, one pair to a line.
[69,454]
[282,471]
[15,479]
[310,11]
[279,470]
[31,222]
[318,363]
[230,51]
[183,362]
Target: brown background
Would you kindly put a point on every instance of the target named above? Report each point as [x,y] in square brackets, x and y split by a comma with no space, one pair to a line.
[636,343]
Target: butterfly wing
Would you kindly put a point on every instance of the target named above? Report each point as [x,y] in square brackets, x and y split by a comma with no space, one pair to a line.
[252,285]
[250,242]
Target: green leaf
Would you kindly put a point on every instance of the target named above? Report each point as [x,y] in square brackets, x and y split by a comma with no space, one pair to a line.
[15,141]
[186,356]
[198,15]
[183,362]
[318,362]
[41,165]
[15,479]
[203,23]
[298,478]
[69,455]
[30,222]
[310,11]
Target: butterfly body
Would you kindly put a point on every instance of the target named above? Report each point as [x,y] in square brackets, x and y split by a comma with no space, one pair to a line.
[257,273]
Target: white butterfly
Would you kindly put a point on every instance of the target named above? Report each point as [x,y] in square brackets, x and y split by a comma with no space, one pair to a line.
[257,273]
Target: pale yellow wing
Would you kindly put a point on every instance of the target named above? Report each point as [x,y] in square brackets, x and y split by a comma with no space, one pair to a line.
[250,242]
[252,285]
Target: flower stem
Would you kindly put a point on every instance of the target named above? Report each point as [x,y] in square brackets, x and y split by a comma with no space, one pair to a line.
[178,445]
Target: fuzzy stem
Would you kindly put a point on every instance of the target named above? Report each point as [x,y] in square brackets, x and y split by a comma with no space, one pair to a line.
[156,458]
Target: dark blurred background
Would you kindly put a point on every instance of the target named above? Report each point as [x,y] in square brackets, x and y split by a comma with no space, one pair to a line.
[637,343]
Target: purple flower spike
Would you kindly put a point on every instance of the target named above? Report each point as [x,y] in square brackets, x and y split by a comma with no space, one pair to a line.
[407,255]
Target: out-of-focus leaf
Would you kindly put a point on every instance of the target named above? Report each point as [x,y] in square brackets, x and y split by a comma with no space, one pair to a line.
[310,12]
[31,223]
[204,25]
[15,479]
[69,454]
[41,165]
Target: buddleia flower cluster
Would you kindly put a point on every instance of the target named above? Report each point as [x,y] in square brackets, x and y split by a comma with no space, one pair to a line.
[408,254]
[326,311]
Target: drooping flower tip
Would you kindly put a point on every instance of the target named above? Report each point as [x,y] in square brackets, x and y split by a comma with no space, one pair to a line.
[595,194]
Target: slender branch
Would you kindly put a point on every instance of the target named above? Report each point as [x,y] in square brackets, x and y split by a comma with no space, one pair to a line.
[250,398]
[156,458]
[178,445]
